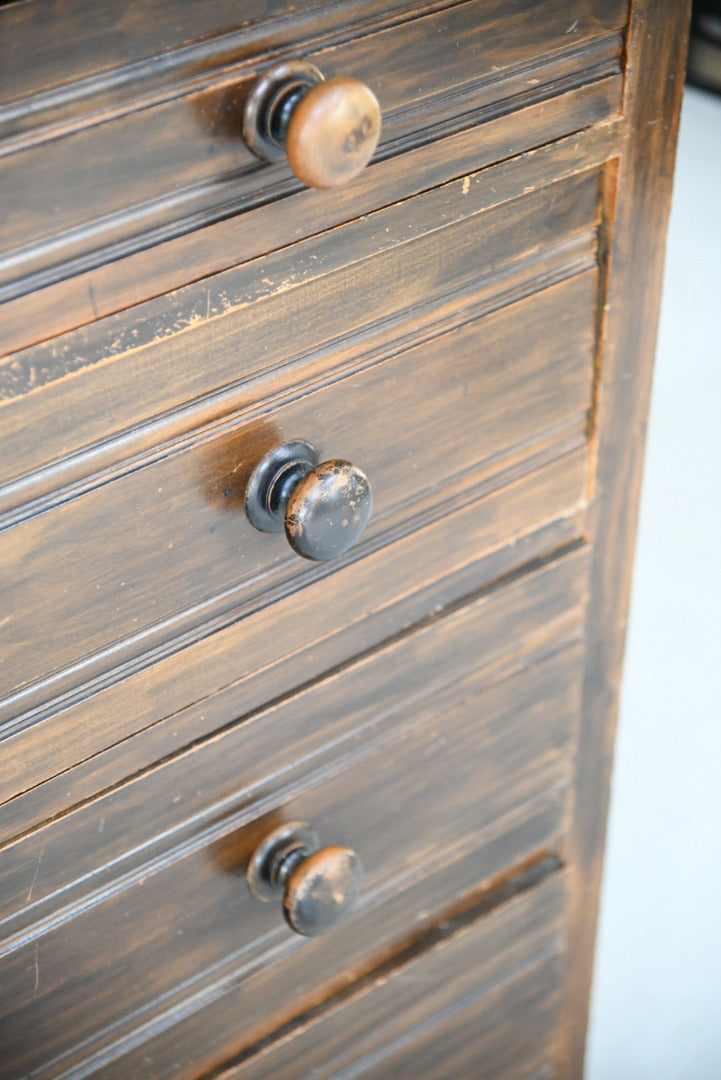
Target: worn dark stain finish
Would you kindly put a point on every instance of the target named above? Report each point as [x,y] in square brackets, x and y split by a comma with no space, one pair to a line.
[322,506]
[328,510]
[160,171]
[471,320]
[115,286]
[153,551]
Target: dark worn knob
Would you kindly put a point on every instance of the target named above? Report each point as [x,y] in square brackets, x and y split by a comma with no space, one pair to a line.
[317,885]
[327,128]
[324,507]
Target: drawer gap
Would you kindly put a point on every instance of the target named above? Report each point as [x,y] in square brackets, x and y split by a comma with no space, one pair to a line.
[493,895]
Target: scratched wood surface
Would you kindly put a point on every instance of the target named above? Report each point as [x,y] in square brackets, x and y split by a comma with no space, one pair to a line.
[472,321]
[451,998]
[167,158]
[167,547]
[247,755]
[173,913]
[218,348]
[155,549]
[79,744]
[85,297]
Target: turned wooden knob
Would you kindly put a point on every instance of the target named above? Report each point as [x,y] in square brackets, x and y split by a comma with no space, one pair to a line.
[316,885]
[333,132]
[327,128]
[323,506]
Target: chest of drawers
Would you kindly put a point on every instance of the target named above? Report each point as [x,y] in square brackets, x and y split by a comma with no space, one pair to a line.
[188,709]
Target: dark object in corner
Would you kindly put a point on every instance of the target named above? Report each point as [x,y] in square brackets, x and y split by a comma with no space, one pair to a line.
[704,54]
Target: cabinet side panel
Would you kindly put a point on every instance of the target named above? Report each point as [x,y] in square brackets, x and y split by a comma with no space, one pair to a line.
[656,47]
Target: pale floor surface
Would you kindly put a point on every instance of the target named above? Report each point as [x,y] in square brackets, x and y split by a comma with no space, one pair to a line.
[656,1009]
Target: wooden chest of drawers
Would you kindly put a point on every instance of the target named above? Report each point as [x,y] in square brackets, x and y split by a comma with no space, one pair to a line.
[469,319]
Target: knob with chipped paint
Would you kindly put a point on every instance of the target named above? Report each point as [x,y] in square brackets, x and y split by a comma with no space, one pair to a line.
[323,506]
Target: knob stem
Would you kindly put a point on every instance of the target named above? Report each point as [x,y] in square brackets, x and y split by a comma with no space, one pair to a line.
[290,863]
[280,113]
[285,482]
[273,481]
[271,103]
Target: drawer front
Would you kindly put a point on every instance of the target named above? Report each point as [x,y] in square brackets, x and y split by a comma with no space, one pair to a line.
[162,133]
[139,382]
[203,253]
[157,547]
[166,548]
[482,1002]
[463,321]
[409,756]
[56,756]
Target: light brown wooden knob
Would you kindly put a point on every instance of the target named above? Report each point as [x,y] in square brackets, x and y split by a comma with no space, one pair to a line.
[333,132]
[327,128]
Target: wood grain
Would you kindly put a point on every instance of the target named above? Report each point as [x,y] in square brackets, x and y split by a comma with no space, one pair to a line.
[285,318]
[165,548]
[472,321]
[636,211]
[50,737]
[163,169]
[169,264]
[534,613]
[502,1036]
[484,1003]
[178,1040]
[187,911]
[131,53]
[151,711]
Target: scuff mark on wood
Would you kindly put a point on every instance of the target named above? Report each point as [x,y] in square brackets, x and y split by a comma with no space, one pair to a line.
[35,877]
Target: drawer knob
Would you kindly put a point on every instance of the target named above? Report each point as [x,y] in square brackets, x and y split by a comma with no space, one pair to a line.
[317,885]
[327,128]
[323,506]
